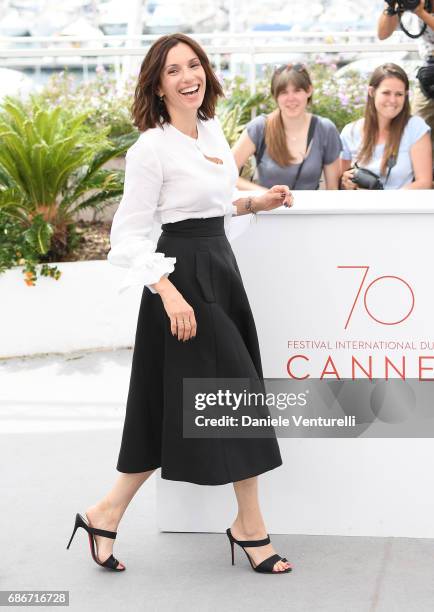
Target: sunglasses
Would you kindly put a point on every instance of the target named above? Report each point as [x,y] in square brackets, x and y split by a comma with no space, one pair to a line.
[289,67]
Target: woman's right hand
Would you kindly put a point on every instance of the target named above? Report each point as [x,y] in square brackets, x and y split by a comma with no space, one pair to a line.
[346,181]
[181,314]
[275,197]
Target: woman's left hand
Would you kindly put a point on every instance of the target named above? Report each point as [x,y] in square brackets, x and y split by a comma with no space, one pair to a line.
[277,196]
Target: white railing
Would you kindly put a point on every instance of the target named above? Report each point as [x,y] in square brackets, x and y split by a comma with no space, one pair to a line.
[123,52]
[201,36]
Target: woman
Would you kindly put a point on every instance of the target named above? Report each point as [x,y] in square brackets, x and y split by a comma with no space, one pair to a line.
[388,140]
[279,141]
[198,322]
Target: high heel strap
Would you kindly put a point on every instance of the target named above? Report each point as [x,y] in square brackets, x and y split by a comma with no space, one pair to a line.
[268,564]
[111,562]
[249,542]
[95,530]
[253,542]
[103,532]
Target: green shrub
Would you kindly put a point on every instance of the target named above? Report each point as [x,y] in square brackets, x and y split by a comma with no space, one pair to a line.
[22,246]
[51,167]
[106,105]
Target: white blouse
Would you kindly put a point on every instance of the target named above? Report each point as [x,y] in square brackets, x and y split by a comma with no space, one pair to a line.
[168,179]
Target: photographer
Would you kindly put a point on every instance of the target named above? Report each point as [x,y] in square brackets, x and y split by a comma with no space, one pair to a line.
[387,148]
[421,20]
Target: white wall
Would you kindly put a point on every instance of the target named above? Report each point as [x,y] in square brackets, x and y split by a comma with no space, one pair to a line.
[81,310]
[288,260]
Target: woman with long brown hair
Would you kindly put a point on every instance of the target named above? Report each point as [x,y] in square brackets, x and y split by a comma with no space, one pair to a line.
[194,319]
[388,141]
[291,145]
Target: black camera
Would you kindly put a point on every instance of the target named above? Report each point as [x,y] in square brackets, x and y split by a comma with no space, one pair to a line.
[407,5]
[366,179]
[399,6]
[425,76]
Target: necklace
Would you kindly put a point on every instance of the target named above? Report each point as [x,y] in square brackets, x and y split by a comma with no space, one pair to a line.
[298,136]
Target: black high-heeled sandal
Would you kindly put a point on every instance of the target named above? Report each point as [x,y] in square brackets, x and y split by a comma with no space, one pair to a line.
[110,563]
[266,566]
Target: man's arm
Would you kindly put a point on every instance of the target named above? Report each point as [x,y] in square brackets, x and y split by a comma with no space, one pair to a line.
[387,24]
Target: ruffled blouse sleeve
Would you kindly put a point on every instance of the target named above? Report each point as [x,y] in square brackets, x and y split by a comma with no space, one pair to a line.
[131,245]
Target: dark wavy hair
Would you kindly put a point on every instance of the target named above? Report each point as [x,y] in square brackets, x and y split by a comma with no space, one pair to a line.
[147,110]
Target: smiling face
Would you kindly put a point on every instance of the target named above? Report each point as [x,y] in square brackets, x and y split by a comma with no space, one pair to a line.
[389,97]
[292,100]
[182,80]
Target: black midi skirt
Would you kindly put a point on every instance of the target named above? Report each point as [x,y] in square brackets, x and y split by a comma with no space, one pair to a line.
[226,345]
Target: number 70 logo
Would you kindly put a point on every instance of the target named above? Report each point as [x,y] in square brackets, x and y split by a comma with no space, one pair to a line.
[365,293]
